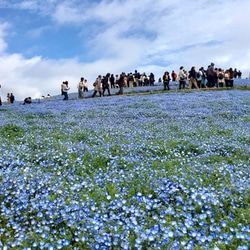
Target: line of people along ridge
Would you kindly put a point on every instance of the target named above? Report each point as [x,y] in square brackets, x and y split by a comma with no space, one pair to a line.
[201,78]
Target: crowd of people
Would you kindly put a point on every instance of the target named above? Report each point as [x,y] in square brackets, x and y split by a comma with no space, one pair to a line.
[209,78]
[202,78]
[10,97]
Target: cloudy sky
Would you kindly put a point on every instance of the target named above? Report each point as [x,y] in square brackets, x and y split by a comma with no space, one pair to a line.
[45,42]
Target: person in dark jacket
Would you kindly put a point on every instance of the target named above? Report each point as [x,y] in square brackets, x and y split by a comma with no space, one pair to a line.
[192,78]
[27,100]
[231,76]
[166,79]
[121,83]
[210,76]
[105,85]
[112,81]
[151,79]
[12,98]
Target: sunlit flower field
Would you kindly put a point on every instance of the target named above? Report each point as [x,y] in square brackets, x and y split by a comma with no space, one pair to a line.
[157,171]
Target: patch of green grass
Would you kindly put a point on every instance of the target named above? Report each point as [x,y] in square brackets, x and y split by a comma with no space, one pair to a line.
[12,131]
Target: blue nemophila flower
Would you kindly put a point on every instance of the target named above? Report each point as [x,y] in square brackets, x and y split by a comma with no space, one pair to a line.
[119,177]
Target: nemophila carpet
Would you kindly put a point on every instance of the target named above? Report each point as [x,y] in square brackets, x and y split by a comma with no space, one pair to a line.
[158,171]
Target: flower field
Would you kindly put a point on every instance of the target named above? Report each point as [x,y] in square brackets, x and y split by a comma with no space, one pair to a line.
[157,171]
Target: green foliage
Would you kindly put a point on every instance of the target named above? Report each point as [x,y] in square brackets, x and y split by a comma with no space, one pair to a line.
[12,132]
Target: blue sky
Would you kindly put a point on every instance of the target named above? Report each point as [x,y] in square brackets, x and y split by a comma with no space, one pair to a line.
[43,43]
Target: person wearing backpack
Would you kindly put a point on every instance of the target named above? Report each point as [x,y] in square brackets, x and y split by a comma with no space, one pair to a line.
[220,78]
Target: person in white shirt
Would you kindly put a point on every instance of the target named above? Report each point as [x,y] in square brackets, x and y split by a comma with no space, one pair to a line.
[182,78]
[65,90]
[85,86]
[80,88]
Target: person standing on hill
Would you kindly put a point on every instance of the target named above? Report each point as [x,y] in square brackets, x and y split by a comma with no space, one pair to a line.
[210,76]
[85,86]
[174,76]
[8,98]
[192,78]
[231,77]
[12,98]
[203,77]
[97,86]
[235,73]
[106,84]
[80,88]
[220,78]
[121,83]
[182,77]
[166,80]
[112,81]
[66,88]
[199,78]
[151,79]
[117,77]
[137,78]
[227,78]
[130,80]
